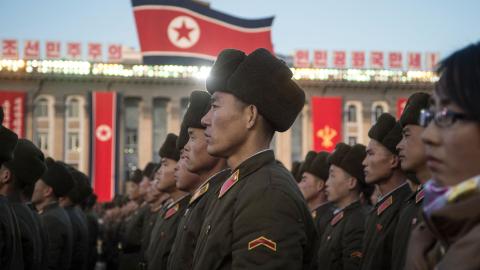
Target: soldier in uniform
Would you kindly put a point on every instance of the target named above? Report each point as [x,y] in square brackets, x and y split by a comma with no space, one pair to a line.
[93,231]
[313,186]
[130,254]
[413,161]
[452,146]
[212,172]
[341,244]
[11,257]
[382,168]
[259,218]
[70,203]
[55,183]
[27,166]
[164,231]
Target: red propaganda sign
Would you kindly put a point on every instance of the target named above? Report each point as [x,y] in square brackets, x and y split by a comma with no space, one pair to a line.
[13,104]
[104,126]
[31,49]
[431,60]
[339,59]
[52,49]
[115,52]
[395,60]
[10,49]
[320,59]
[376,59]
[94,51]
[182,32]
[401,102]
[414,60]
[358,59]
[301,59]
[74,50]
[327,122]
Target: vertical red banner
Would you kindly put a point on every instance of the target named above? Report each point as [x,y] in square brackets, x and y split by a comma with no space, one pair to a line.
[401,102]
[13,104]
[104,126]
[327,122]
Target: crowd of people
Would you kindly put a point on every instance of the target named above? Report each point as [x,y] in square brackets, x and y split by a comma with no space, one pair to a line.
[220,200]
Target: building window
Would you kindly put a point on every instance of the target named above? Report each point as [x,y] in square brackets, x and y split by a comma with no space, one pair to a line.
[73,108]
[378,108]
[42,141]
[73,141]
[160,117]
[41,108]
[297,138]
[130,149]
[352,113]
[352,140]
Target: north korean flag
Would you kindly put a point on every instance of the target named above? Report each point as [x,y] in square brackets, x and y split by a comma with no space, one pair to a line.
[184,32]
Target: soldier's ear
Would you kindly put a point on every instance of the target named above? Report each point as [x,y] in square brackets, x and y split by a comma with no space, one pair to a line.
[352,183]
[5,175]
[251,115]
[395,161]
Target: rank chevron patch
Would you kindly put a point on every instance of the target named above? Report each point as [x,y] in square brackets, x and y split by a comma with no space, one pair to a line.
[262,241]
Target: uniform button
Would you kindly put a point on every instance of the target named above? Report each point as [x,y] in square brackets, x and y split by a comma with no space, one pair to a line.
[208,229]
[184,227]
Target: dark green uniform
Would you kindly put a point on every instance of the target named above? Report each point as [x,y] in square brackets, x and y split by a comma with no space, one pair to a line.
[410,215]
[341,244]
[150,219]
[60,236]
[321,216]
[163,234]
[93,234]
[80,238]
[380,229]
[259,220]
[181,257]
[131,253]
[11,257]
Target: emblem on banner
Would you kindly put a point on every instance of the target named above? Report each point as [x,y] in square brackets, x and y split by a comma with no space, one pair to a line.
[327,134]
[183,32]
[103,133]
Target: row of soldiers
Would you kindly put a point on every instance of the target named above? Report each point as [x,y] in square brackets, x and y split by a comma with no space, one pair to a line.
[220,200]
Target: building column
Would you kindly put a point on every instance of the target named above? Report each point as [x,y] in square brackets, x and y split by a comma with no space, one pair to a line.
[145,132]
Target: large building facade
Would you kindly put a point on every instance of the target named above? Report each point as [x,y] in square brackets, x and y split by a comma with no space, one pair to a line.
[153,99]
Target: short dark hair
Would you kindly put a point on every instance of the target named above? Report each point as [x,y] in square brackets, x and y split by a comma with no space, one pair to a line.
[460,79]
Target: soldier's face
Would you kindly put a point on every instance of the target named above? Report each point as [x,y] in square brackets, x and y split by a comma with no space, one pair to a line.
[167,177]
[132,190]
[144,185]
[338,184]
[40,192]
[196,156]
[226,125]
[411,149]
[310,186]
[453,152]
[186,181]
[379,163]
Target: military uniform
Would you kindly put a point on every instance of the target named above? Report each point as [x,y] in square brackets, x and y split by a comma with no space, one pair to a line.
[131,255]
[190,224]
[341,244]
[93,232]
[410,215]
[80,238]
[321,216]
[11,256]
[380,229]
[60,236]
[259,219]
[164,232]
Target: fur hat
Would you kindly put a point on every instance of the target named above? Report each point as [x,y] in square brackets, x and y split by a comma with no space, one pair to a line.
[260,79]
[307,162]
[28,163]
[8,141]
[320,166]
[58,177]
[415,103]
[350,159]
[169,148]
[136,176]
[387,132]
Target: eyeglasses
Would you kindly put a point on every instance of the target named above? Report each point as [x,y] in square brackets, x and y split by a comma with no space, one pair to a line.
[443,118]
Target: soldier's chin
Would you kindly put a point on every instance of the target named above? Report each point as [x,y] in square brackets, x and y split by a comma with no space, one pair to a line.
[215,150]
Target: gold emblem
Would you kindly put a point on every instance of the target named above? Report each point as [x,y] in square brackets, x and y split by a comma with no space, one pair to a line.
[327,134]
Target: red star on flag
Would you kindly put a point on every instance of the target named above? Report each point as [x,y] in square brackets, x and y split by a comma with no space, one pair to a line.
[183,31]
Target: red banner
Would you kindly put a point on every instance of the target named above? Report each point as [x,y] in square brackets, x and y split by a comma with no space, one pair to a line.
[104,126]
[327,122]
[401,102]
[185,29]
[13,104]
[301,59]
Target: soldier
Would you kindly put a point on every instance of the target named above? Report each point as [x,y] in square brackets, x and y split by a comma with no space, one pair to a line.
[10,246]
[93,230]
[130,254]
[55,183]
[341,244]
[382,168]
[165,228]
[24,170]
[78,220]
[259,217]
[452,146]
[211,171]
[313,186]
[414,161]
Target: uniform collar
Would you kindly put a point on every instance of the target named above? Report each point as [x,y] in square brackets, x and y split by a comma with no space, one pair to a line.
[391,192]
[255,162]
